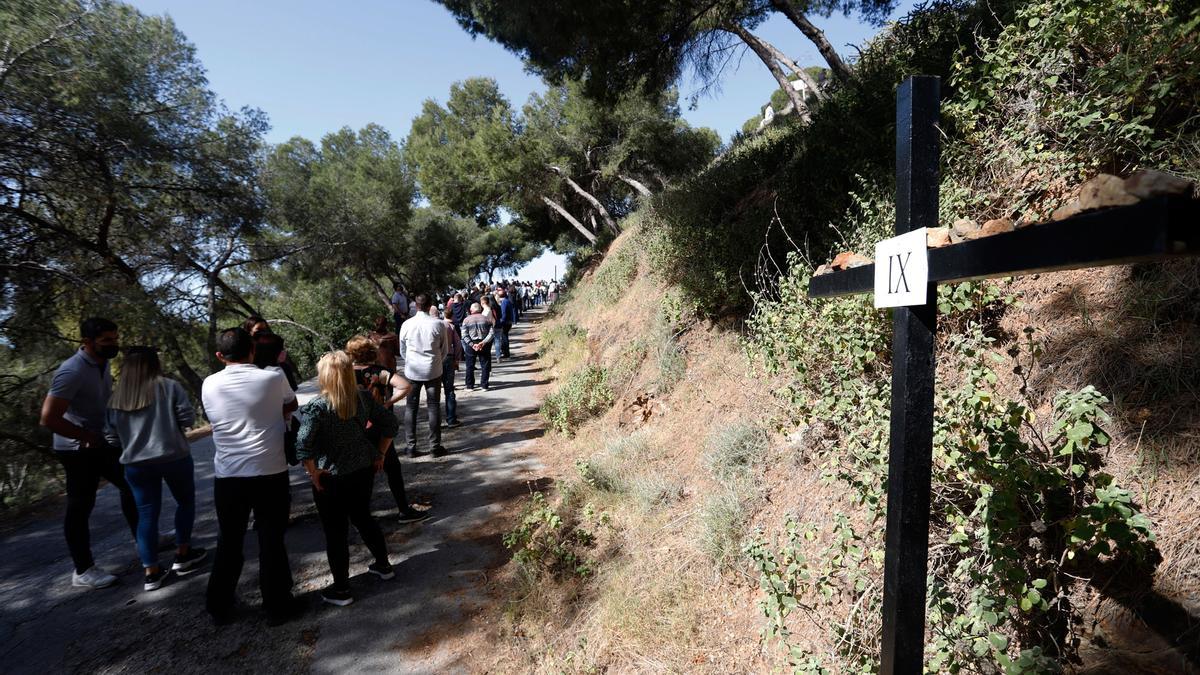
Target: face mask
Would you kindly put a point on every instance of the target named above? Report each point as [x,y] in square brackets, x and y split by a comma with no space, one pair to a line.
[108,351]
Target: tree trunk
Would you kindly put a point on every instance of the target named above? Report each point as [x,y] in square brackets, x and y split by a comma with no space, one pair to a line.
[191,378]
[608,220]
[211,342]
[380,291]
[764,54]
[795,68]
[836,64]
[230,294]
[636,185]
[587,234]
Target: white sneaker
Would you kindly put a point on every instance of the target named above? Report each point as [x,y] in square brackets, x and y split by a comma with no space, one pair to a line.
[94,577]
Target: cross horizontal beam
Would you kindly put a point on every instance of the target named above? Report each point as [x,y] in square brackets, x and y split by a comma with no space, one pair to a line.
[1154,229]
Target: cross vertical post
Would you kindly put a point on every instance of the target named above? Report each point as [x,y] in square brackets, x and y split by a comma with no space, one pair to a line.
[911,455]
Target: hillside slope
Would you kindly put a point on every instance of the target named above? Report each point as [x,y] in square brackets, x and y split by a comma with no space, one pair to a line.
[721,440]
[684,465]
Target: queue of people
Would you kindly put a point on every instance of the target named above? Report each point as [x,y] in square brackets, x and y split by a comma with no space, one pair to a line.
[133,436]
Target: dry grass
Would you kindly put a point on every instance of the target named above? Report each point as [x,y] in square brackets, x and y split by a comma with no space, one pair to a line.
[659,603]
[1133,332]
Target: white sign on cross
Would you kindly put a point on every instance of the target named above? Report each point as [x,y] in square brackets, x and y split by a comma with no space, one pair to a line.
[902,270]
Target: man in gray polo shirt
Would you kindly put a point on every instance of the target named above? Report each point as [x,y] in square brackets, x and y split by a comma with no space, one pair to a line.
[75,411]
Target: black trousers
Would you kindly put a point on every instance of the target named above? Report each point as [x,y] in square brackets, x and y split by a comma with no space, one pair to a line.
[395,478]
[235,498]
[84,469]
[345,500]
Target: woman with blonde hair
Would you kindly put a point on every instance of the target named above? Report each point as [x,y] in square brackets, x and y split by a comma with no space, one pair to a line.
[387,388]
[147,416]
[341,460]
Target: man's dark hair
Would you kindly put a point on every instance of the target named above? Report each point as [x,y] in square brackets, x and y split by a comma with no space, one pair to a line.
[423,302]
[269,338]
[90,329]
[235,344]
[397,286]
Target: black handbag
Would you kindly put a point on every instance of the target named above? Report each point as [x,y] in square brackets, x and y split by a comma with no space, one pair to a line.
[289,441]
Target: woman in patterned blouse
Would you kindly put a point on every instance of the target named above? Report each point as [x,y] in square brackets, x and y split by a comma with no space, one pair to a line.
[342,461]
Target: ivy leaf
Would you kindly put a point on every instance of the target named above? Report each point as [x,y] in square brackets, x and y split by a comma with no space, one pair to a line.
[1140,522]
[1080,431]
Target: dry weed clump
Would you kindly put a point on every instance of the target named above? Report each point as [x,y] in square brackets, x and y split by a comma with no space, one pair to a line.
[653,600]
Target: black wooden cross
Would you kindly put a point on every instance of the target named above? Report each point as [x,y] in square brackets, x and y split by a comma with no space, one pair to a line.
[1155,229]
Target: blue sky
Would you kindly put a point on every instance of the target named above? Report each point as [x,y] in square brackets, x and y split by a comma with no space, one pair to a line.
[314,67]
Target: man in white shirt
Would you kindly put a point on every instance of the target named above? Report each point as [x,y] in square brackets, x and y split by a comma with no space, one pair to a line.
[424,342]
[246,407]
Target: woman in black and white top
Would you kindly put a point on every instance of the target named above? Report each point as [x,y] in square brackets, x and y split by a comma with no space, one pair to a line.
[341,461]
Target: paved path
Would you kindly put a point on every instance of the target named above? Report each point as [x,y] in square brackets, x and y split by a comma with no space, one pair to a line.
[408,624]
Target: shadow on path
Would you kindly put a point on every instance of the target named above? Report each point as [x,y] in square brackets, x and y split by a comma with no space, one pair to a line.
[407,624]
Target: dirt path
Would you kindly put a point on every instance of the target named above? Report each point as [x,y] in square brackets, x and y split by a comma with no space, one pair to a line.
[406,625]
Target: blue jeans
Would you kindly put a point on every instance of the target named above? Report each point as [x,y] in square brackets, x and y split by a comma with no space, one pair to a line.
[146,481]
[502,339]
[448,390]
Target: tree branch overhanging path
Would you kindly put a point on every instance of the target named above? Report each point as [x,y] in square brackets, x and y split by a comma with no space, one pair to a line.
[659,40]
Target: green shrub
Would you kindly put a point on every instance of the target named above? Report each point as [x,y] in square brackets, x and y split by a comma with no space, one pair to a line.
[585,395]
[722,527]
[732,451]
[1018,516]
[561,338]
[1069,88]
[651,491]
[629,449]
[672,365]
[599,475]
[616,468]
[614,275]
[628,363]
[550,540]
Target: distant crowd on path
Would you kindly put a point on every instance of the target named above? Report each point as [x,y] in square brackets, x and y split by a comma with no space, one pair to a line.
[133,436]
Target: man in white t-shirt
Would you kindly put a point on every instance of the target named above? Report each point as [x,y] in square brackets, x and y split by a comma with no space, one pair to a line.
[246,407]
